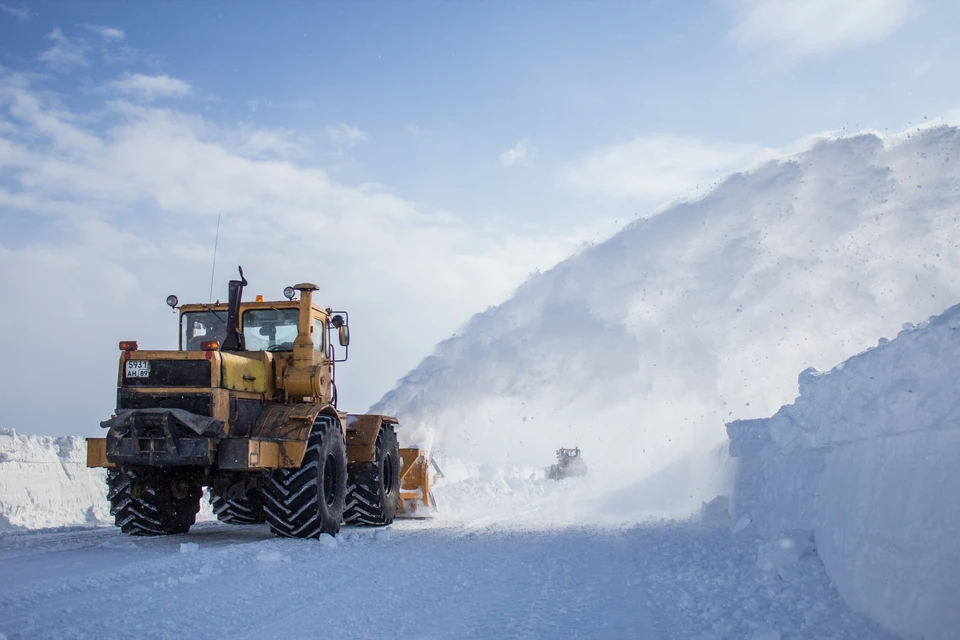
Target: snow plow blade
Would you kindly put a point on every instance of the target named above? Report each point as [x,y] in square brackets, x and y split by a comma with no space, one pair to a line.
[416,499]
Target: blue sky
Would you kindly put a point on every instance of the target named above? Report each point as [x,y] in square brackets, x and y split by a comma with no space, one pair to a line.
[423,158]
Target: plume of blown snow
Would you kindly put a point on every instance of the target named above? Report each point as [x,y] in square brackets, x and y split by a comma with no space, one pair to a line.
[639,349]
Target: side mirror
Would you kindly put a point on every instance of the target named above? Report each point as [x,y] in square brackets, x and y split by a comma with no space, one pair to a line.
[344,335]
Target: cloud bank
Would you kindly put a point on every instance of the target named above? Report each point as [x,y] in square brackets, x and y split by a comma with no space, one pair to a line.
[107,211]
[814,27]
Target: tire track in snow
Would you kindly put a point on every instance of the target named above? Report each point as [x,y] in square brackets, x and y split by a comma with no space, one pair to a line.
[535,619]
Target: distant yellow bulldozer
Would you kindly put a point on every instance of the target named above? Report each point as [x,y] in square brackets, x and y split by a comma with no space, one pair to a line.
[248,408]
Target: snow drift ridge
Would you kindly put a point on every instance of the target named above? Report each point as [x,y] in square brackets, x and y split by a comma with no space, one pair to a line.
[639,349]
[868,458]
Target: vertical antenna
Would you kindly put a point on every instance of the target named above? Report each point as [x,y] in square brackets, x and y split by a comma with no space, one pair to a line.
[214,269]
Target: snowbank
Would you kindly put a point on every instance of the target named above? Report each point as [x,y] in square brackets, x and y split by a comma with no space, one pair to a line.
[868,458]
[639,349]
[44,482]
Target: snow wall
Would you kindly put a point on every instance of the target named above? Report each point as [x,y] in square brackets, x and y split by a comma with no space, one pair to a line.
[44,482]
[868,458]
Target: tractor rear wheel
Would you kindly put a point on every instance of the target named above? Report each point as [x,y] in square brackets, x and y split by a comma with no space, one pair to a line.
[246,508]
[153,502]
[308,501]
[373,494]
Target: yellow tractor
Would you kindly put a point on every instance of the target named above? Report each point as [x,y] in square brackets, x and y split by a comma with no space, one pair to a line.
[248,408]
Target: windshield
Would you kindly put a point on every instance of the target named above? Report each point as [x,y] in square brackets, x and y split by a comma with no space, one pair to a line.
[202,326]
[270,329]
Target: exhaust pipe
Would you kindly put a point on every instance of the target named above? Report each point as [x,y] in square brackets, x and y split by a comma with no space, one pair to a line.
[234,340]
[304,378]
[303,345]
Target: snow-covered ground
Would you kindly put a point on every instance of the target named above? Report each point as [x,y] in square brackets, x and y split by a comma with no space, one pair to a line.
[510,554]
[446,578]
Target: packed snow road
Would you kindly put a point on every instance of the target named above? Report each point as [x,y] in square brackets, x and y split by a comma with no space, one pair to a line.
[435,579]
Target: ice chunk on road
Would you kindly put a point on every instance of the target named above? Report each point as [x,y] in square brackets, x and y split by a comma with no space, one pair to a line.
[784,550]
[272,555]
[118,543]
[742,523]
[716,511]
[327,540]
[381,535]
[188,547]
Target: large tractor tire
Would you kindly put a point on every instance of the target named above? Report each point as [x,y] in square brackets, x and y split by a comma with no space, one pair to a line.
[153,502]
[246,508]
[308,501]
[373,492]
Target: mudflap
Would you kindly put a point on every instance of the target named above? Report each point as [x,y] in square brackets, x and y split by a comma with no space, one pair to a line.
[416,497]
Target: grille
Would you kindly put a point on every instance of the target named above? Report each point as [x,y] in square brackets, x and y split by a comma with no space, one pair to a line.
[198,403]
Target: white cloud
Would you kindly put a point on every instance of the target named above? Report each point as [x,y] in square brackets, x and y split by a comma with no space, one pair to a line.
[518,153]
[260,143]
[257,104]
[149,182]
[105,32]
[345,136]
[658,166]
[20,13]
[145,87]
[66,53]
[809,27]
[413,129]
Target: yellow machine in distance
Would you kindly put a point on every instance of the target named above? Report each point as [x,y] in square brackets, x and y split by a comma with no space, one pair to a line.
[247,406]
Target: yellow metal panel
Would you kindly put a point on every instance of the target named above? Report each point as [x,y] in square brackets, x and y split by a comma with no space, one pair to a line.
[290,454]
[97,453]
[221,405]
[262,454]
[286,421]
[415,501]
[268,454]
[362,430]
[240,373]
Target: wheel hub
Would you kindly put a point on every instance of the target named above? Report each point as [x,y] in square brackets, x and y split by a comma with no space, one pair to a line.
[331,480]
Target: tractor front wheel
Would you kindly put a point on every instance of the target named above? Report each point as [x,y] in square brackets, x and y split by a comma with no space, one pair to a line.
[308,501]
[153,502]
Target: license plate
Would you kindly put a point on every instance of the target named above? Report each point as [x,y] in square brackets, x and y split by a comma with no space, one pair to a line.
[138,369]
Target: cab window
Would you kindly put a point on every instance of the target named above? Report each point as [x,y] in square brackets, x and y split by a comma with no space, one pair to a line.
[197,327]
[318,334]
[270,329]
